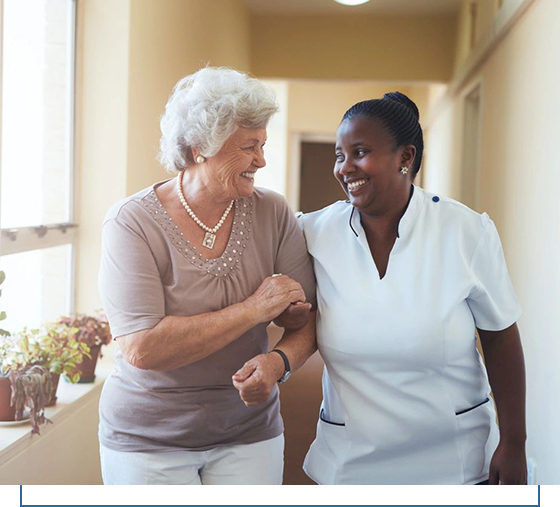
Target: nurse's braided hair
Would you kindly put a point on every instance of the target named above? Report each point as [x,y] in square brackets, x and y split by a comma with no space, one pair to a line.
[400,117]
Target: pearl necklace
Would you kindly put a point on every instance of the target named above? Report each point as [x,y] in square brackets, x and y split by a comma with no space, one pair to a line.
[210,236]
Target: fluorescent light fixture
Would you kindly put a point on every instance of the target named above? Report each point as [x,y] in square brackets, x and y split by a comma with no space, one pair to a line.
[351,2]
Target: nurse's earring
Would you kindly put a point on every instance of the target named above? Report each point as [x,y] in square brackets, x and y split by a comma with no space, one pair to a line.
[404,169]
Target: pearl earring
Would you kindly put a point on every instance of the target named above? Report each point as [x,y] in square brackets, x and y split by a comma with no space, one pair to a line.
[404,169]
[200,159]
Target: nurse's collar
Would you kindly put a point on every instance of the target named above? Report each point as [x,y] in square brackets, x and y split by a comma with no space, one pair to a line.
[407,220]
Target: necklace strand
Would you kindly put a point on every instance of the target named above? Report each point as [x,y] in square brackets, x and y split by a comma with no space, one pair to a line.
[191,213]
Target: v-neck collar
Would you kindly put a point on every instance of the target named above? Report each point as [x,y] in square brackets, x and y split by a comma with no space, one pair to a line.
[407,221]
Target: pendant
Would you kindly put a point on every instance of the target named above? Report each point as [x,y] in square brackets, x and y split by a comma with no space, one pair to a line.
[209,240]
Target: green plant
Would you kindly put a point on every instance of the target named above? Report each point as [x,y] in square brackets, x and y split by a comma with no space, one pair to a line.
[3,332]
[54,346]
[93,331]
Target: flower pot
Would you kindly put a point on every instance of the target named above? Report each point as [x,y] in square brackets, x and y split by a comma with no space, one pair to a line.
[55,377]
[87,366]
[7,412]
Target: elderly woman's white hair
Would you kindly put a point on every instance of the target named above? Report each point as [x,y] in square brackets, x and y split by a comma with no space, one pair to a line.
[206,108]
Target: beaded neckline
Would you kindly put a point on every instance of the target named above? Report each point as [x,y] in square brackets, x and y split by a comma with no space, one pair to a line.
[222,266]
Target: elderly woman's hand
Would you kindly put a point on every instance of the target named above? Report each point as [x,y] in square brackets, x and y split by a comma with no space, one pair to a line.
[274,295]
[255,381]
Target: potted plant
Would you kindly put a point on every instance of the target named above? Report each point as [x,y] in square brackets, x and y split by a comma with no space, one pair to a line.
[53,347]
[58,349]
[92,331]
[25,389]
[30,365]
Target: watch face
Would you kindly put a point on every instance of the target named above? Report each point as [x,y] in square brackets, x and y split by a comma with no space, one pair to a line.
[285,377]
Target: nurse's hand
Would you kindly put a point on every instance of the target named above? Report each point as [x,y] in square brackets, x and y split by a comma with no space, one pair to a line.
[508,465]
[255,381]
[294,317]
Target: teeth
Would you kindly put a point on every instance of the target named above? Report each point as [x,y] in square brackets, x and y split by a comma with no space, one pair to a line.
[248,175]
[356,184]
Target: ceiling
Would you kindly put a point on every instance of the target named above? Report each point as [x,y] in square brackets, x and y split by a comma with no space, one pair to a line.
[374,7]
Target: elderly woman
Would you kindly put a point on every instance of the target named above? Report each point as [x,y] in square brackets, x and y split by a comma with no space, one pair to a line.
[193,270]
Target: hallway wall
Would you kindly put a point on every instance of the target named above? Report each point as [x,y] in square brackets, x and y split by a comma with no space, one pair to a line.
[520,177]
[349,47]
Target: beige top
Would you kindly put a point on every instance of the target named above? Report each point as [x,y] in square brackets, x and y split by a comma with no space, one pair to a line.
[149,270]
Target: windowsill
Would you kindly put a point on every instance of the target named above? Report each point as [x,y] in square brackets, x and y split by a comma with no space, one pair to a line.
[71,398]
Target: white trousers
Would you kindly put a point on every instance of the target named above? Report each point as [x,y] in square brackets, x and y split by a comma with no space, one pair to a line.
[258,463]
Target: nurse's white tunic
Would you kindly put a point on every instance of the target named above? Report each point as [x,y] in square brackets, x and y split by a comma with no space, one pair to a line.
[405,393]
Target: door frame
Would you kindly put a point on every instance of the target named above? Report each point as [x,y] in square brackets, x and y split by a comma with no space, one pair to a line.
[293,175]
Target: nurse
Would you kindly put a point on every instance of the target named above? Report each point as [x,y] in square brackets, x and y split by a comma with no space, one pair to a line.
[404,280]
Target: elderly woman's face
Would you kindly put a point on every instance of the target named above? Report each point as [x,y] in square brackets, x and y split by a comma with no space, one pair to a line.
[234,167]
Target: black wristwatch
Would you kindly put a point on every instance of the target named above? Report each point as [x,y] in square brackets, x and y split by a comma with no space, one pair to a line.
[287,370]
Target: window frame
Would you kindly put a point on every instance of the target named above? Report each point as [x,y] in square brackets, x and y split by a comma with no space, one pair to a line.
[25,239]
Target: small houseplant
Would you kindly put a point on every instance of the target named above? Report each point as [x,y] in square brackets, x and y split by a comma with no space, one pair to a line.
[57,348]
[92,331]
[22,386]
[31,363]
[52,347]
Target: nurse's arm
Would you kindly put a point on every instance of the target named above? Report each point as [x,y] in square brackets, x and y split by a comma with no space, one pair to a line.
[503,355]
[255,381]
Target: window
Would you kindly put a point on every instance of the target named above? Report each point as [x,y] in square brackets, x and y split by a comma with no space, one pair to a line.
[36,167]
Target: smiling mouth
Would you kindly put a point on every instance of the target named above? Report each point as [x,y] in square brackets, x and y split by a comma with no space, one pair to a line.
[354,185]
[249,175]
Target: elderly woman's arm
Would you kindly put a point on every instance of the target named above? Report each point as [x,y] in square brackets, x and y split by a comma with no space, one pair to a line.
[255,381]
[178,341]
[503,355]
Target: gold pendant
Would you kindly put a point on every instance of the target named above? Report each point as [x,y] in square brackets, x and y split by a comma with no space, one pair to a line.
[209,240]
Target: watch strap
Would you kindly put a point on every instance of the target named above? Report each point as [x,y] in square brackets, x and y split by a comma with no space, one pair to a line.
[286,364]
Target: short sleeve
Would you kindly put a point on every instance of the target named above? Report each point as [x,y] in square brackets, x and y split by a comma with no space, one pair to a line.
[492,301]
[292,258]
[129,281]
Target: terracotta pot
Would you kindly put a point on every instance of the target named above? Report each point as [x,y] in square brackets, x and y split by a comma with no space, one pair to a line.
[55,377]
[87,366]
[7,413]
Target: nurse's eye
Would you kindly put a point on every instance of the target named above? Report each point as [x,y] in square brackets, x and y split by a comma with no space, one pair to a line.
[339,157]
[360,153]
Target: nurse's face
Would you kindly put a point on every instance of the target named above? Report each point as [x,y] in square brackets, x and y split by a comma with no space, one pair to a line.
[368,165]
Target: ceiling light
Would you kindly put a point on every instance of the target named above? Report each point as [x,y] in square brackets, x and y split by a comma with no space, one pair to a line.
[351,2]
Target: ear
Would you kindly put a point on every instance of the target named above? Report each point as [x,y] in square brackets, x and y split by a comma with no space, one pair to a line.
[192,154]
[408,155]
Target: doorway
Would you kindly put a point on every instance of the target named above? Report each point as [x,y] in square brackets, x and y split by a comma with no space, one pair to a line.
[318,186]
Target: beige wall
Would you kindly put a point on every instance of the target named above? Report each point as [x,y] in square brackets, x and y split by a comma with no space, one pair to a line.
[520,177]
[351,47]
[102,113]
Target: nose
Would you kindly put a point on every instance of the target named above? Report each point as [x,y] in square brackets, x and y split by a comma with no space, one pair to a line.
[345,167]
[259,160]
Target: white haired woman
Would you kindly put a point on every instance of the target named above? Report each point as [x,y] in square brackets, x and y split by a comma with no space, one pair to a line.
[193,270]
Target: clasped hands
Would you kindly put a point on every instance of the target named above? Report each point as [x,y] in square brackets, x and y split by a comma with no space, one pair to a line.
[282,299]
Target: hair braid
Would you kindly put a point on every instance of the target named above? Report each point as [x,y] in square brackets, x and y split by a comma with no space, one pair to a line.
[400,117]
